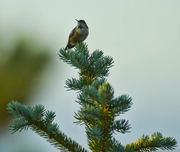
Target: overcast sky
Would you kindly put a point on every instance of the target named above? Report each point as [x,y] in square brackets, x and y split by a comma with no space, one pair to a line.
[143,37]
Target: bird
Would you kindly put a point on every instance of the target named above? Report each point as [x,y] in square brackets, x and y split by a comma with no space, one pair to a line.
[78,34]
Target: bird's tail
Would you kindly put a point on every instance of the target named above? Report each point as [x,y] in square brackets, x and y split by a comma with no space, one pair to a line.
[69,46]
[66,47]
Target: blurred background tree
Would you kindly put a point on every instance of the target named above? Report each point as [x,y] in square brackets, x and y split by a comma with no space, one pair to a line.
[21,65]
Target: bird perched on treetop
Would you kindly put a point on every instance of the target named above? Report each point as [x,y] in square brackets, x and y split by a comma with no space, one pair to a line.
[78,34]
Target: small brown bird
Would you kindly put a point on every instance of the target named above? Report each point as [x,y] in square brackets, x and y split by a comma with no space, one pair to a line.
[78,34]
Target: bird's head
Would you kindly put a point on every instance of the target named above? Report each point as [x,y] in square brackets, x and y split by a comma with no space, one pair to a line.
[81,24]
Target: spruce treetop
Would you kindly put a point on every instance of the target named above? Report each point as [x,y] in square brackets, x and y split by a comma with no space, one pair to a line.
[99,110]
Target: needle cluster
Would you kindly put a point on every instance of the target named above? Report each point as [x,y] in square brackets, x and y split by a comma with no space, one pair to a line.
[100,112]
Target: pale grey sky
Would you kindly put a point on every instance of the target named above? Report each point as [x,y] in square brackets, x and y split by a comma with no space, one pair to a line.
[143,37]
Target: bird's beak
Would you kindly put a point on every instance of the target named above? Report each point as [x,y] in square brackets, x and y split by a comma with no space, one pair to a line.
[77,20]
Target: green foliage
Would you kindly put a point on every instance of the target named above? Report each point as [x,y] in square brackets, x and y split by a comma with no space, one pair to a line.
[146,143]
[91,66]
[99,109]
[98,113]
[41,121]
[20,67]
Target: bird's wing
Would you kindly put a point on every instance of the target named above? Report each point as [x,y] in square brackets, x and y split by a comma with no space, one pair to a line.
[72,33]
[69,45]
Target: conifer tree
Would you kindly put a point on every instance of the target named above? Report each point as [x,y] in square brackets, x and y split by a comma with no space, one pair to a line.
[98,111]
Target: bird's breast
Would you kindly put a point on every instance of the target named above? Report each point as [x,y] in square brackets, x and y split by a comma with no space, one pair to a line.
[83,31]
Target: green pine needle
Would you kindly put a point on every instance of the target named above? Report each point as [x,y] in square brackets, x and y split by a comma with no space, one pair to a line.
[98,111]
[41,122]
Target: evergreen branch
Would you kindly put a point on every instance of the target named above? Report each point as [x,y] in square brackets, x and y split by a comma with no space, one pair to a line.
[98,140]
[40,121]
[91,66]
[116,146]
[105,93]
[153,143]
[89,115]
[49,116]
[66,55]
[98,110]
[121,104]
[121,126]
[74,84]
[82,48]
[19,124]
[94,135]
[102,65]
[96,83]
[98,118]
[83,99]
[95,56]
[98,92]
[91,92]
[76,59]
[81,61]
